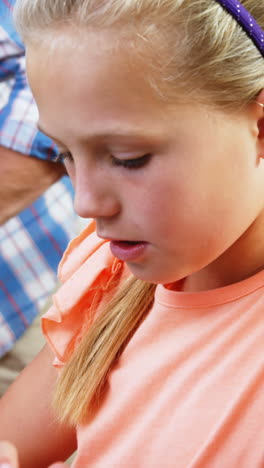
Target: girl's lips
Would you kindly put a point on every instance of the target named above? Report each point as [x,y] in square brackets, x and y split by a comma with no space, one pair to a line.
[128,251]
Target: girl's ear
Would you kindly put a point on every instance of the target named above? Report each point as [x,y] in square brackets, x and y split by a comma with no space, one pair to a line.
[260,102]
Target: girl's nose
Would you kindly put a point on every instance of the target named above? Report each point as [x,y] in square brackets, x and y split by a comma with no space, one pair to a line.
[95,197]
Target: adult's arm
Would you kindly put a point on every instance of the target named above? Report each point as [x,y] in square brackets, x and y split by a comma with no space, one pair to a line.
[27,420]
[22,180]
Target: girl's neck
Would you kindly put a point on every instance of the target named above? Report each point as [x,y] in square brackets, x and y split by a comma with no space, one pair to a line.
[242,260]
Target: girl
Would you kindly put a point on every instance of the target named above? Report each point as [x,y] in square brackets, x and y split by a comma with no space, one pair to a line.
[158,331]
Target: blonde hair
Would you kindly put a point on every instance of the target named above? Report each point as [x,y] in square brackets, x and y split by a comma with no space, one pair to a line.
[192,45]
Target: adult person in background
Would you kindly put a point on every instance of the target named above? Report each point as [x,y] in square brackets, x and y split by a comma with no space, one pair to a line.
[37,218]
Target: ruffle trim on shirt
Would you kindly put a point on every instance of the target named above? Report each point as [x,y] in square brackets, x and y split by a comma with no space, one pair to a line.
[90,275]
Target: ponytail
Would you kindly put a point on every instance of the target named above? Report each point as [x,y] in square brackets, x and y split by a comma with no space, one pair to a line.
[83,378]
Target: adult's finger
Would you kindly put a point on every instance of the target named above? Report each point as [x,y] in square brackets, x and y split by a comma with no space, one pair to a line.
[8,455]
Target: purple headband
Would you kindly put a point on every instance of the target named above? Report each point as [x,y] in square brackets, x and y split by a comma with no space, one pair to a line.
[246,21]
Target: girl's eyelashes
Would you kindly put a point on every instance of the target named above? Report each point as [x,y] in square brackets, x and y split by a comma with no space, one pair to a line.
[134,163]
[62,156]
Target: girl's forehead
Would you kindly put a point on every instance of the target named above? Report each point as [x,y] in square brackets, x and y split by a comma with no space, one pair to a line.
[102,58]
[95,83]
[94,60]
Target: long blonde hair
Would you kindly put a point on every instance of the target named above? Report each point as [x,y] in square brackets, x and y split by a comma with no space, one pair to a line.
[191,45]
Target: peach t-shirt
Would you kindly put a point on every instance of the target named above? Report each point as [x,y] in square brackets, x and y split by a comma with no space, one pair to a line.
[188,390]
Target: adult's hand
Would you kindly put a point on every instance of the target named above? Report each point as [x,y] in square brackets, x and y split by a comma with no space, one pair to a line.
[9,457]
[22,180]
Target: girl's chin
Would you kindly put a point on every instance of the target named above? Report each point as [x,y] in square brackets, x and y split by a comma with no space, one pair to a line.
[143,272]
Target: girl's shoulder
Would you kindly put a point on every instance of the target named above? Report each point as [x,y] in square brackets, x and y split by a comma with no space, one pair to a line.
[90,275]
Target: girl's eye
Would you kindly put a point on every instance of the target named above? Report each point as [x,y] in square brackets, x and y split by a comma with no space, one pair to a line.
[135,163]
[61,157]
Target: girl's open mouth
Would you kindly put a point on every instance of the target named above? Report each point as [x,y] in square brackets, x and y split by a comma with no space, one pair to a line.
[128,251]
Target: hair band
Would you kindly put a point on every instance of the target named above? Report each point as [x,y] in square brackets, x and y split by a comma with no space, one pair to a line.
[246,21]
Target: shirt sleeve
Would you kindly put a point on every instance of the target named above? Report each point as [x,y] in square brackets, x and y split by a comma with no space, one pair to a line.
[18,111]
[90,276]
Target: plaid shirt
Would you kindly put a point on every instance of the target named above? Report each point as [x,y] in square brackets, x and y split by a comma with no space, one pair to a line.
[31,244]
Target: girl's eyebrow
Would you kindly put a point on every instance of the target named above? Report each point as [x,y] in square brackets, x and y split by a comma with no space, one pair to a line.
[151,137]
